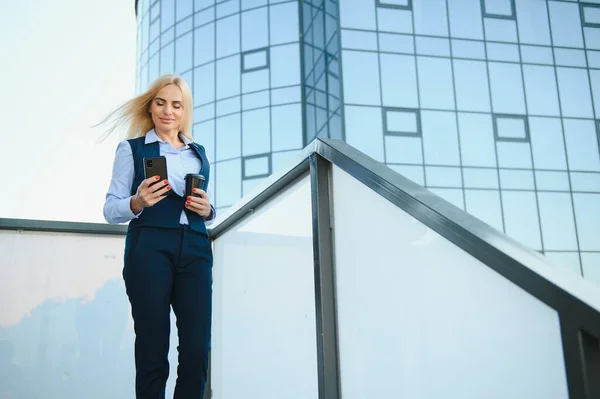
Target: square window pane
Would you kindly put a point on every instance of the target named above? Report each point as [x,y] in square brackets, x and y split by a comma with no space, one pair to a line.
[516,179]
[256,166]
[430,17]
[521,218]
[587,213]
[574,92]
[205,112]
[468,49]
[285,65]
[472,91]
[480,178]
[255,100]
[184,8]
[547,143]
[204,17]
[399,78]
[204,44]
[228,36]
[204,133]
[226,8]
[477,140]
[465,19]
[402,122]
[503,52]
[532,28]
[184,26]
[537,55]
[358,40]
[592,38]
[511,128]
[485,206]
[229,182]
[414,173]
[585,181]
[500,30]
[566,24]
[507,88]
[435,82]
[514,155]
[229,140]
[167,13]
[228,106]
[433,46]
[228,77]
[357,14]
[285,95]
[183,51]
[439,176]
[591,15]
[498,7]
[364,130]
[440,139]
[394,21]
[554,181]
[540,86]
[204,84]
[394,43]
[255,81]
[283,22]
[256,132]
[287,127]
[403,149]
[582,144]
[256,60]
[558,226]
[361,78]
[255,29]
[167,55]
[570,57]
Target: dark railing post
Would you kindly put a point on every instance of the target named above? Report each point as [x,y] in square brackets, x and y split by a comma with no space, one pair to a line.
[325,302]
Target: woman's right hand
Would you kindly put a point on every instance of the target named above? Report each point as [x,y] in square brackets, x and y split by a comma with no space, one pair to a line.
[147,196]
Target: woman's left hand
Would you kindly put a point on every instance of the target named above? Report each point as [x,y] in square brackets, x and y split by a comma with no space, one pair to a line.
[200,205]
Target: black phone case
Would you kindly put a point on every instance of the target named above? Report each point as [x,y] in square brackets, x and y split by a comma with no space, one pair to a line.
[155,166]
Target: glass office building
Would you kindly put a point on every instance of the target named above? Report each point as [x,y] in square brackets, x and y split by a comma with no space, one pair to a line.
[493,105]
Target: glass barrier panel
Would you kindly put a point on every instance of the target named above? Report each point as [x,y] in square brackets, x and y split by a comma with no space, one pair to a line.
[420,318]
[65,324]
[264,331]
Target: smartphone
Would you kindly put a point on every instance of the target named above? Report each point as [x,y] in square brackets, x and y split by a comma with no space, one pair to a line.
[155,166]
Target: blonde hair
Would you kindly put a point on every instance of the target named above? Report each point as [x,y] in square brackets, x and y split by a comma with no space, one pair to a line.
[136,112]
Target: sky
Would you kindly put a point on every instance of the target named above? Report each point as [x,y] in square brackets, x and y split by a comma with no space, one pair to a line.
[65,65]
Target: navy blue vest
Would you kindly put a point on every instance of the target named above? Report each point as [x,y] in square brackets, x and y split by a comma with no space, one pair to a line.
[167,212]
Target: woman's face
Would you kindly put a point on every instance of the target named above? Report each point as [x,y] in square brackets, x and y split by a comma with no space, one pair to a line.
[167,108]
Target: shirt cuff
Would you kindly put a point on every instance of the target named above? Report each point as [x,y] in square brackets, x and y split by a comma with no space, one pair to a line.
[124,209]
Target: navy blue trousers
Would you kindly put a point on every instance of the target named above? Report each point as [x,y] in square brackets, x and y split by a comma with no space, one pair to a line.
[167,268]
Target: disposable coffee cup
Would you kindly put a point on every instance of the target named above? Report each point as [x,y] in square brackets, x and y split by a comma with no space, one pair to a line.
[193,180]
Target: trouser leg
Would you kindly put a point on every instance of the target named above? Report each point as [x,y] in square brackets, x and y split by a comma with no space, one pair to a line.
[148,276]
[192,303]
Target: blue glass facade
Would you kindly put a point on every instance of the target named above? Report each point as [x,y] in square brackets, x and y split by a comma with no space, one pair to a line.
[492,104]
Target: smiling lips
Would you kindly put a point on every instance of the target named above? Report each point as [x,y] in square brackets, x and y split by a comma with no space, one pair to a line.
[166,120]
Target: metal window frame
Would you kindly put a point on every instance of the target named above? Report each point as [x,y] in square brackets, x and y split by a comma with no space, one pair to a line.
[512,17]
[388,132]
[525,120]
[267,65]
[582,7]
[381,4]
[258,156]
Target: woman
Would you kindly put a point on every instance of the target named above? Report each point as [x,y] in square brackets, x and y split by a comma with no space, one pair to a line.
[168,256]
